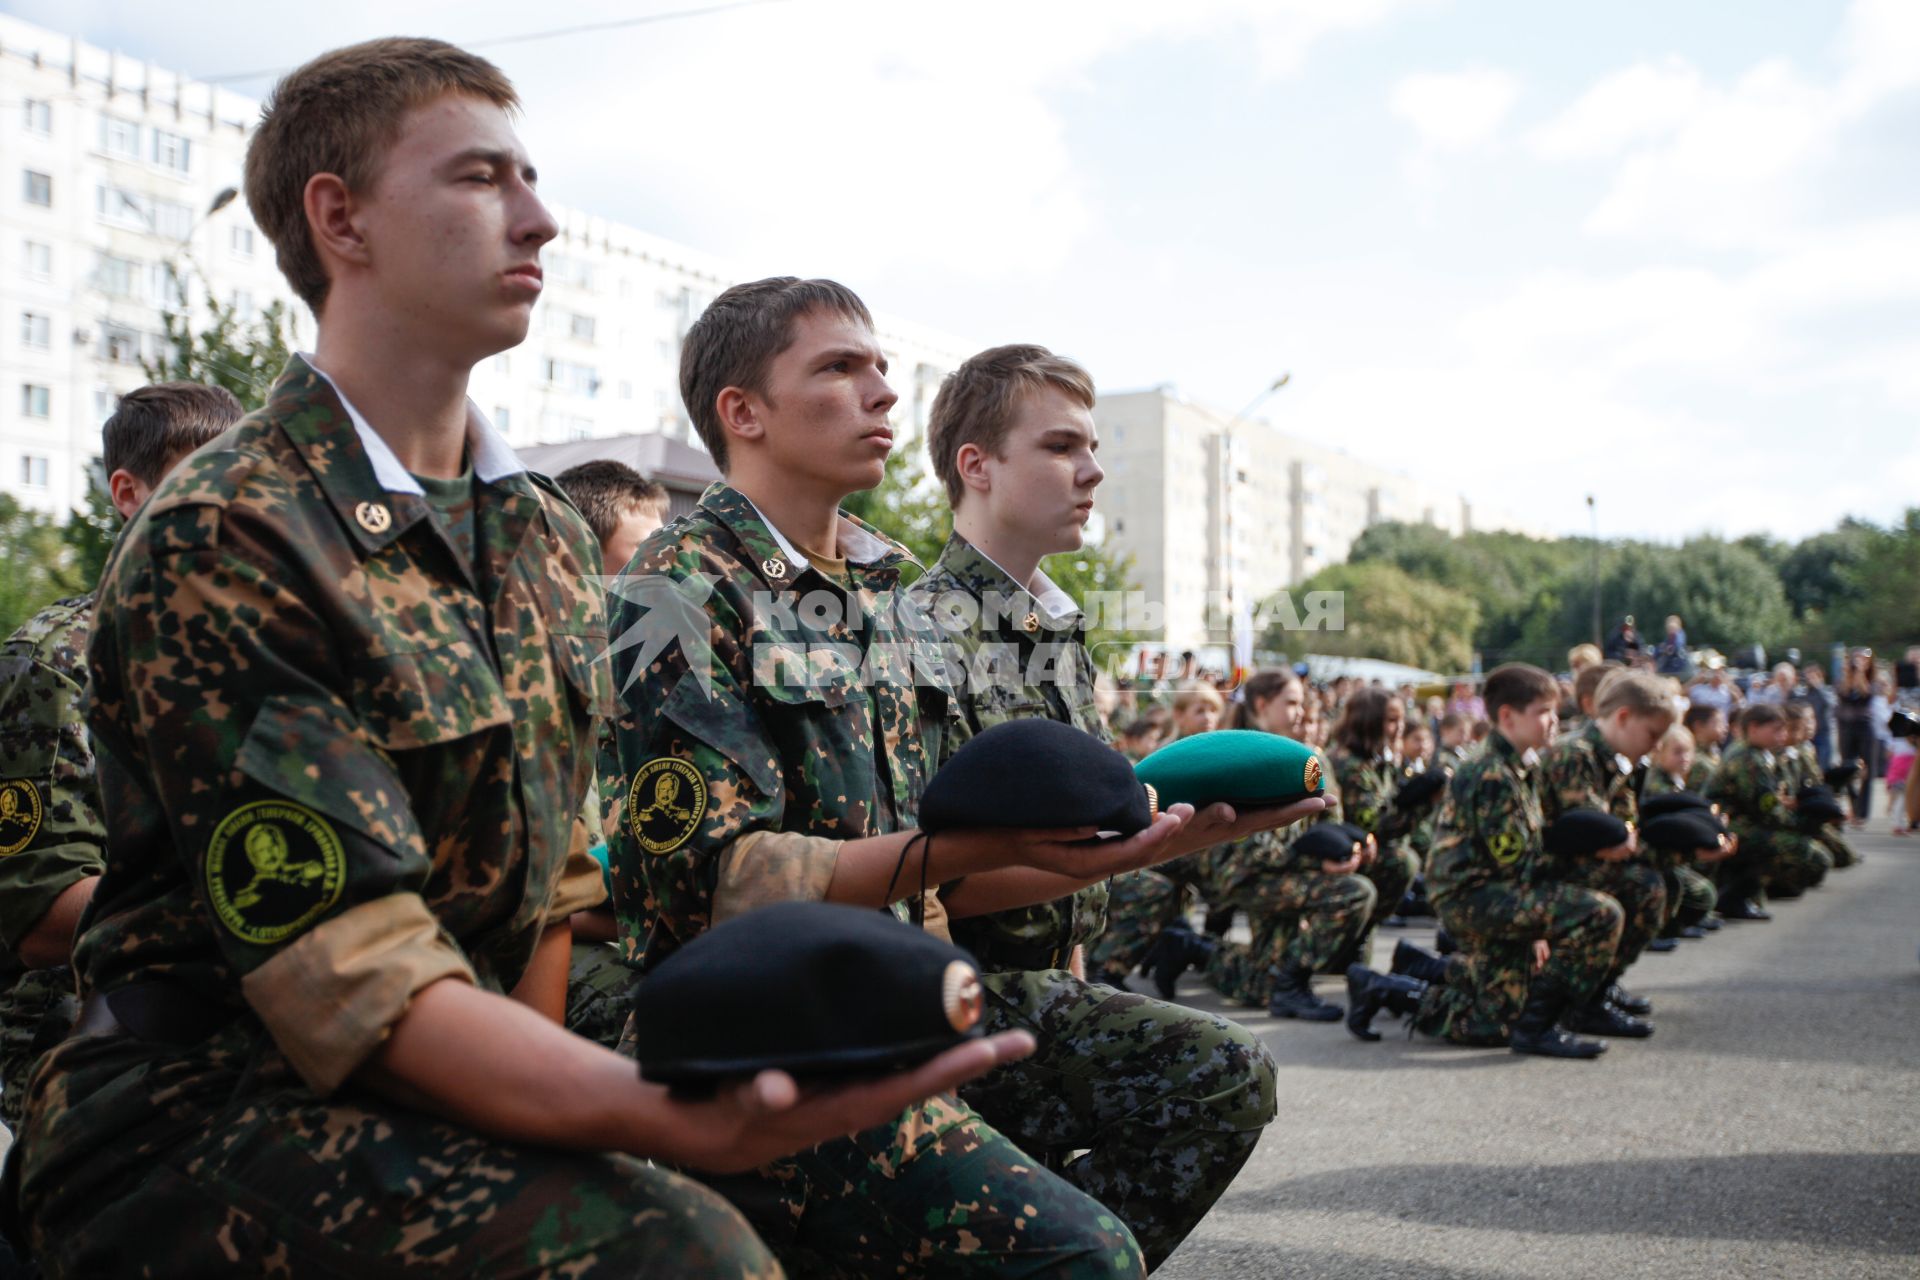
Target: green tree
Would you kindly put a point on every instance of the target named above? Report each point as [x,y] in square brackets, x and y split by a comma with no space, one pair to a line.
[90,531]
[1879,603]
[1725,594]
[40,568]
[1814,572]
[243,355]
[1503,573]
[1388,614]
[906,505]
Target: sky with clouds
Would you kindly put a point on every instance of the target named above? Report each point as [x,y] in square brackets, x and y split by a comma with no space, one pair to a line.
[1665,254]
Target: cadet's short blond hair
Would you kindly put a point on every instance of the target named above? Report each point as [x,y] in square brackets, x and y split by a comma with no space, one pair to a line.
[1582,656]
[1640,692]
[977,401]
[339,114]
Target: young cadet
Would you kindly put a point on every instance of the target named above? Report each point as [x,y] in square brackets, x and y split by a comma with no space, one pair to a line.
[1164,1103]
[1774,858]
[343,691]
[621,507]
[1303,910]
[1594,769]
[1531,949]
[1708,728]
[53,839]
[775,738]
[1802,769]
[1366,766]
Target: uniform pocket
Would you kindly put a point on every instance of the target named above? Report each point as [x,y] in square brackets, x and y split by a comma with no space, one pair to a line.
[405,701]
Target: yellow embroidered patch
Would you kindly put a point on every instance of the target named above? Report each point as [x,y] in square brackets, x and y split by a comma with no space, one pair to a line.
[665,804]
[1506,846]
[273,868]
[20,815]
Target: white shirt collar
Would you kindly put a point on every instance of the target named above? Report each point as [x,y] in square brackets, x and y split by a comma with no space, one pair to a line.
[854,544]
[491,455]
[1050,596]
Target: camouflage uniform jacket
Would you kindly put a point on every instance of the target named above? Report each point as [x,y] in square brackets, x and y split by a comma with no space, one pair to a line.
[764,721]
[337,764]
[1700,776]
[1270,853]
[1367,788]
[1012,656]
[1751,792]
[1490,822]
[1581,771]
[51,833]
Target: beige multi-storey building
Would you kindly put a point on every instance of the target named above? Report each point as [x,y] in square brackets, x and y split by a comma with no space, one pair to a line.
[1219,513]
[114,182]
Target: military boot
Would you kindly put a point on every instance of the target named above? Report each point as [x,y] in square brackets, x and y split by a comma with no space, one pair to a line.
[1626,1001]
[1691,922]
[1737,904]
[1293,997]
[1599,1018]
[1174,952]
[1443,942]
[1537,1029]
[1417,962]
[1369,992]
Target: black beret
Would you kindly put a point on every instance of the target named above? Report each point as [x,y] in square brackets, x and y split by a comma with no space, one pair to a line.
[1581,833]
[1818,806]
[1843,774]
[1683,831]
[1326,842]
[1239,766]
[1420,788]
[1036,774]
[1357,835]
[813,988]
[1672,802]
[1900,724]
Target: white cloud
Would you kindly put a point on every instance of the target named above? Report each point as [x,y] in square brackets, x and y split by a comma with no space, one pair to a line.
[1457,110]
[1647,100]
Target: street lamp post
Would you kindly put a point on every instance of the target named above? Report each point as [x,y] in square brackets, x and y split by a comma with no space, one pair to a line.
[1593,515]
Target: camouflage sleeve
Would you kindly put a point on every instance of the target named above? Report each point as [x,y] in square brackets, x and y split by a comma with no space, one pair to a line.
[51,833]
[703,836]
[259,748]
[1492,817]
[1566,782]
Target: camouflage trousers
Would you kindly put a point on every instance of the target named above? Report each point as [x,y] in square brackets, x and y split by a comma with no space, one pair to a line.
[1781,860]
[1687,889]
[1489,977]
[1139,905]
[215,1160]
[35,1015]
[1299,920]
[1391,874]
[1839,852]
[1640,889]
[599,993]
[1162,1103]
[937,1193]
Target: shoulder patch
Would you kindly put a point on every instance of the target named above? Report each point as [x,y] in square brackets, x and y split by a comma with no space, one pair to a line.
[273,868]
[20,815]
[665,804]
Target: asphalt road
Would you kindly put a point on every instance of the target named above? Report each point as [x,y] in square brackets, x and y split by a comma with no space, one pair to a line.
[1771,1127]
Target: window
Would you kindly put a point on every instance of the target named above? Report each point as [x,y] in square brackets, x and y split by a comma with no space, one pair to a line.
[123,208]
[575,379]
[241,242]
[119,344]
[35,330]
[33,470]
[39,260]
[171,151]
[39,116]
[36,188]
[105,401]
[582,328]
[116,277]
[119,137]
[35,401]
[174,221]
[502,419]
[243,305]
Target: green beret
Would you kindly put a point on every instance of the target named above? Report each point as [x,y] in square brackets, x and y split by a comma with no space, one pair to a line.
[1036,774]
[813,988]
[1239,766]
[1581,833]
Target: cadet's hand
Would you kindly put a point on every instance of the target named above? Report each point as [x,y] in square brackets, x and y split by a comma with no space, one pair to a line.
[1728,846]
[750,1123]
[1370,851]
[1541,953]
[1345,868]
[1069,853]
[1220,823]
[1621,852]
